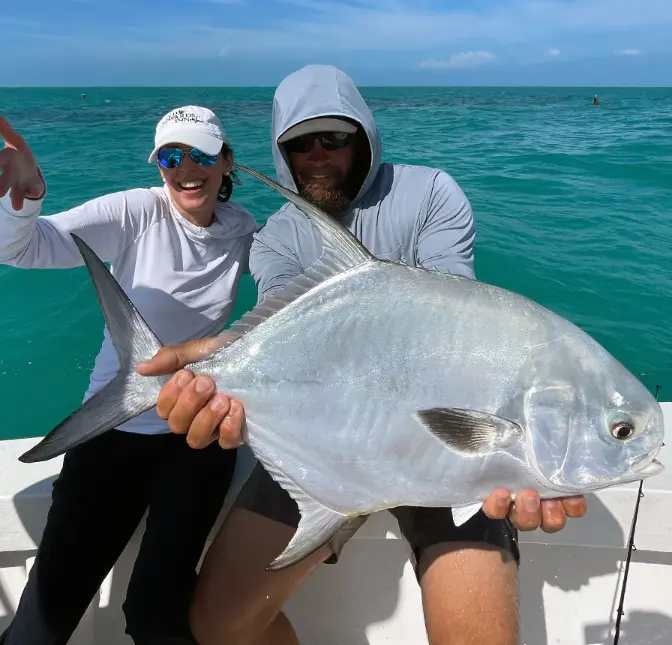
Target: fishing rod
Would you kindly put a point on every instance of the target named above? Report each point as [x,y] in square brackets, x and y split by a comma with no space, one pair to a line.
[631,549]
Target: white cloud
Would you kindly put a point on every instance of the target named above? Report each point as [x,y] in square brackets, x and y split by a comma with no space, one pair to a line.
[56,37]
[394,25]
[313,28]
[322,29]
[629,52]
[19,23]
[463,60]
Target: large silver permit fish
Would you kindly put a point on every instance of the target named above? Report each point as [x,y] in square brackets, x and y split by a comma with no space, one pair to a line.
[369,385]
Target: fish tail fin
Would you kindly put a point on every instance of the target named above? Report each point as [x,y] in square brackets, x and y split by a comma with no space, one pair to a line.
[128,394]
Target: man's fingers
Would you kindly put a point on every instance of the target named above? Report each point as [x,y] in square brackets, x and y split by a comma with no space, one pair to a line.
[172,358]
[232,426]
[193,398]
[204,428]
[526,514]
[171,391]
[169,359]
[193,408]
[553,516]
[498,504]
[530,513]
[575,506]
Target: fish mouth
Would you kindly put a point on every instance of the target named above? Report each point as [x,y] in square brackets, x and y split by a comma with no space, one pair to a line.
[647,466]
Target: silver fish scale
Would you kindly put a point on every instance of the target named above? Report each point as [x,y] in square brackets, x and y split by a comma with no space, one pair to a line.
[353,364]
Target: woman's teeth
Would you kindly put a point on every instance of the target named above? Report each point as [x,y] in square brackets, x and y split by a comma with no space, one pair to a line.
[191,185]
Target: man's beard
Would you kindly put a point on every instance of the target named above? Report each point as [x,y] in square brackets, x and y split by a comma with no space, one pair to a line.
[332,200]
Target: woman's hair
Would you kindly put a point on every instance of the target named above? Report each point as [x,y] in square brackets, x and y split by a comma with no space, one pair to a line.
[226,188]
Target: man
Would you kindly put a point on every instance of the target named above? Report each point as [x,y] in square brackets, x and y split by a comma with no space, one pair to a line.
[326,145]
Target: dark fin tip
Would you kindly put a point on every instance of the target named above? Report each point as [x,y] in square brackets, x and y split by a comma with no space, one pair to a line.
[469,431]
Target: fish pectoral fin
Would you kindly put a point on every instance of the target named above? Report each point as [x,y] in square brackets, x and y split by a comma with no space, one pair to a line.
[318,526]
[470,432]
[462,514]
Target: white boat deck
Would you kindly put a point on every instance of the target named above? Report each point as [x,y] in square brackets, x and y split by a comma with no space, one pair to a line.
[570,581]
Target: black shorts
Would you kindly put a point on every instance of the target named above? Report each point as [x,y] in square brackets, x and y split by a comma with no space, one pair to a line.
[421,527]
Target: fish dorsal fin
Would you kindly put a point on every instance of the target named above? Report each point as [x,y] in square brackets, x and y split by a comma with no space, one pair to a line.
[470,432]
[341,251]
[322,270]
[345,249]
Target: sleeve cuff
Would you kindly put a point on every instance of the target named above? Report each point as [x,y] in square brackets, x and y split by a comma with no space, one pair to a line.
[44,192]
[31,207]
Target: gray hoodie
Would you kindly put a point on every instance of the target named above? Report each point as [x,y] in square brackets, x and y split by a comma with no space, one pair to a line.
[411,214]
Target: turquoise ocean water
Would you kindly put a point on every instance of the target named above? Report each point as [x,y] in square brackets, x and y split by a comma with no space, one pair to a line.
[573,204]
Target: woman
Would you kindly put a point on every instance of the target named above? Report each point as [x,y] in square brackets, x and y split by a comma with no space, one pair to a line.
[178,252]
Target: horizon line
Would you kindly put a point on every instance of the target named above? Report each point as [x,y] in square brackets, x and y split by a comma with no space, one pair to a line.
[362,85]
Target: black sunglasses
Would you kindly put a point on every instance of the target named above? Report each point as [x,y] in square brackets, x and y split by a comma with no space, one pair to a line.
[328,140]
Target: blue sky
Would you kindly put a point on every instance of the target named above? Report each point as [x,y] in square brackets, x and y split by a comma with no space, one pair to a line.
[378,42]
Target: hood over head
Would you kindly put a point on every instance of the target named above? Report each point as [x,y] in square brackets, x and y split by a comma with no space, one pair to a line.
[320,91]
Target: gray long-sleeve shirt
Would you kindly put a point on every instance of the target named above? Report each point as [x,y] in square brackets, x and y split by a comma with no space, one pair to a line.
[411,214]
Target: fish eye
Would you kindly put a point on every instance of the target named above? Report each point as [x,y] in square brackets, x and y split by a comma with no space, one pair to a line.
[622,430]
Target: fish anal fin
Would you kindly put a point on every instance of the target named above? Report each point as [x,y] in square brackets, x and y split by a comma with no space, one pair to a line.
[470,432]
[318,526]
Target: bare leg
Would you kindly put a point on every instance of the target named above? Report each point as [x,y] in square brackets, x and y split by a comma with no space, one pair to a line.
[238,602]
[280,632]
[469,594]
